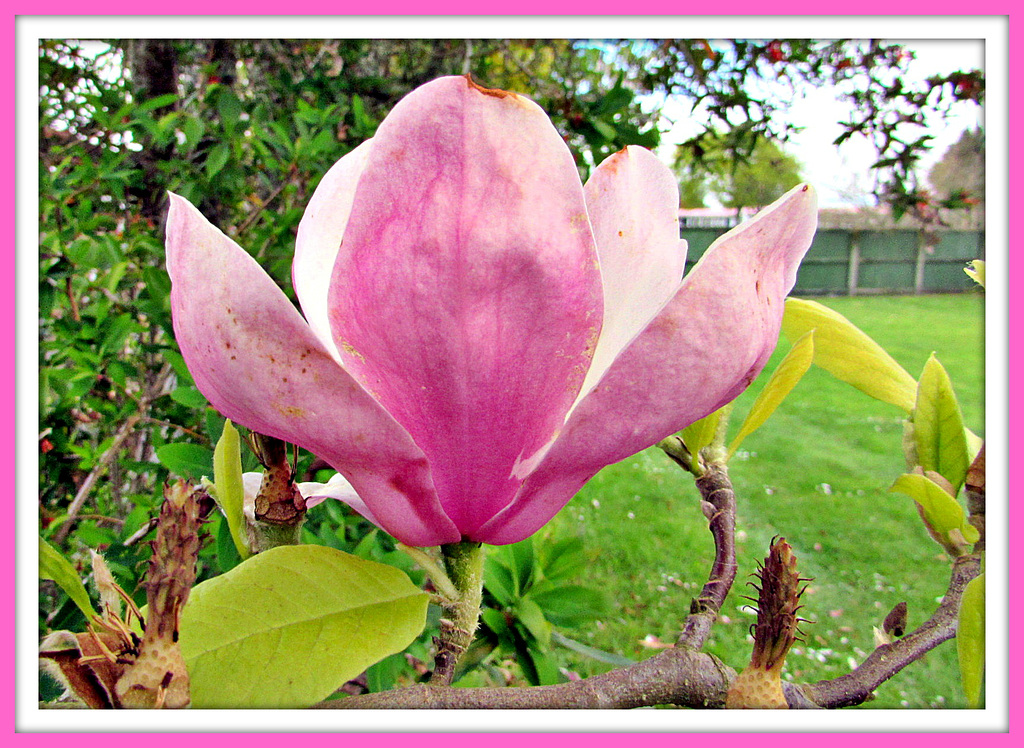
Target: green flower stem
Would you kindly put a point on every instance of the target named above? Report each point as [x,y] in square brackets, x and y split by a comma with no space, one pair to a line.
[674,447]
[464,565]
[446,590]
[265,535]
[716,453]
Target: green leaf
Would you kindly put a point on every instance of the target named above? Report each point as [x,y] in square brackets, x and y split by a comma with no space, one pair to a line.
[848,354]
[571,605]
[227,552]
[606,130]
[976,272]
[789,371]
[529,614]
[188,396]
[939,433]
[562,559]
[970,640]
[495,621]
[520,560]
[593,653]
[186,460]
[227,481]
[539,668]
[156,102]
[498,580]
[52,565]
[217,159]
[229,108]
[192,128]
[382,676]
[700,434]
[941,511]
[289,626]
[974,444]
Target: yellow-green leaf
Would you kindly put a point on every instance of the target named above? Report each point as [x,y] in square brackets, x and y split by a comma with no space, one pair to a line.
[700,434]
[849,354]
[941,511]
[938,426]
[52,565]
[789,371]
[977,272]
[970,640]
[227,481]
[974,444]
[287,627]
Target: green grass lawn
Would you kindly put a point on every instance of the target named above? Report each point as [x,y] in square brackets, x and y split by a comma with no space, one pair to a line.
[817,473]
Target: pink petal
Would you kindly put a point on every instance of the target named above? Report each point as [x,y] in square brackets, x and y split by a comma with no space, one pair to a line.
[336,488]
[633,201]
[251,483]
[319,239]
[702,350]
[466,296]
[258,363]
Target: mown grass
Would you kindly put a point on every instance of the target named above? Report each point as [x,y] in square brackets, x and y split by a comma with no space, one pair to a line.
[817,473]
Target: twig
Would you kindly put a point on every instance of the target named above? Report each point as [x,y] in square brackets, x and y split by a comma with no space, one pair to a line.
[265,203]
[142,532]
[69,290]
[719,505]
[887,660]
[177,426]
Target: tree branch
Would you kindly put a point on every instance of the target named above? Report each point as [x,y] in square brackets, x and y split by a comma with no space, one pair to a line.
[887,660]
[675,676]
[719,505]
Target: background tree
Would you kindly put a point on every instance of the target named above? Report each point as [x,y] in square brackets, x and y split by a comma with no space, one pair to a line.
[961,170]
[751,181]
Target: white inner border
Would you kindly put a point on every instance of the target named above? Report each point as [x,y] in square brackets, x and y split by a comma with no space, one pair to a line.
[993,29]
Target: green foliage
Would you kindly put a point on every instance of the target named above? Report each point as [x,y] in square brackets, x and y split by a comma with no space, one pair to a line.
[701,434]
[944,518]
[227,485]
[743,85]
[737,178]
[289,626]
[54,566]
[528,593]
[848,354]
[970,641]
[940,439]
[976,272]
[782,381]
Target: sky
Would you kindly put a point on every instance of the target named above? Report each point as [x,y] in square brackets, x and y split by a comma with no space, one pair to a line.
[833,170]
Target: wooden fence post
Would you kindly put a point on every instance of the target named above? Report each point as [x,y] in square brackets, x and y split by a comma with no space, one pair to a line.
[853,268]
[922,258]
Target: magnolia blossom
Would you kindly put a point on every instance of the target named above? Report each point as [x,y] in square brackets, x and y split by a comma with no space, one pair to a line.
[480,332]
[314,493]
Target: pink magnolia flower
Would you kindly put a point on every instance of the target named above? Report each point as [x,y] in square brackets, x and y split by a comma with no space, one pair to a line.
[481,332]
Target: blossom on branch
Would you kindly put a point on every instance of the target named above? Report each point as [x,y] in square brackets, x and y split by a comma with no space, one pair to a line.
[480,332]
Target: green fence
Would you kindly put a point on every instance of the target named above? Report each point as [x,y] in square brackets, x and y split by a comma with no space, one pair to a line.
[851,262]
